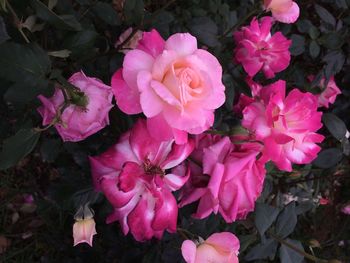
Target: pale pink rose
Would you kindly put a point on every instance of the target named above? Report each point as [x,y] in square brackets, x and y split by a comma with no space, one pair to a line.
[173,83]
[346,209]
[258,50]
[328,93]
[84,231]
[136,177]
[286,125]
[132,43]
[224,178]
[77,123]
[218,248]
[285,11]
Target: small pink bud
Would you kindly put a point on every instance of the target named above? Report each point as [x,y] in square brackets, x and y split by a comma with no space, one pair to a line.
[83,231]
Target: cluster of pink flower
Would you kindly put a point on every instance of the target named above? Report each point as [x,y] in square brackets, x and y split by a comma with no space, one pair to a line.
[178,87]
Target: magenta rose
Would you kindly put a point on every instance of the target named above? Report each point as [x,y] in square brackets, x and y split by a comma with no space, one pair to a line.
[224,178]
[137,176]
[258,50]
[328,93]
[286,125]
[218,248]
[175,84]
[77,123]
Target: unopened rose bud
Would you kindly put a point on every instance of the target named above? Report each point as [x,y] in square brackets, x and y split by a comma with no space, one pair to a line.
[314,243]
[84,226]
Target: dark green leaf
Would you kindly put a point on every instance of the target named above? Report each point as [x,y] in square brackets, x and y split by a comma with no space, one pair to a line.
[325,15]
[246,241]
[328,158]
[335,61]
[80,42]
[265,215]
[22,92]
[263,250]
[17,147]
[298,45]
[3,32]
[335,125]
[161,22]
[314,49]
[133,11]
[67,22]
[288,255]
[50,148]
[107,13]
[25,63]
[205,30]
[333,40]
[286,221]
[304,25]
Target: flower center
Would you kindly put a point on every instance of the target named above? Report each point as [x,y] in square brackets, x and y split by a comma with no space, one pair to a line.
[152,169]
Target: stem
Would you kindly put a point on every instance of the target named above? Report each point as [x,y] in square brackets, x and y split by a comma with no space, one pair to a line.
[241,22]
[17,22]
[296,249]
[185,233]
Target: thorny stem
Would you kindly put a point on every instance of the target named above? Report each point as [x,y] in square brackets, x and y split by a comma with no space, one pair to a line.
[17,21]
[296,249]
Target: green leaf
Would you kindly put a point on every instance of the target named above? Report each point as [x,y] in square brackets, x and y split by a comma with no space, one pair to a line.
[161,22]
[265,215]
[133,11]
[314,49]
[67,22]
[17,147]
[335,61]
[21,92]
[288,255]
[333,40]
[263,250]
[205,30]
[328,158]
[28,63]
[286,221]
[298,45]
[26,66]
[325,15]
[50,149]
[80,42]
[107,13]
[335,125]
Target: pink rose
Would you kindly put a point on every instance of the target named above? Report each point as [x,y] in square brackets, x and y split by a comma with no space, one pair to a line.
[258,50]
[224,178]
[218,248]
[285,11]
[175,84]
[135,177]
[285,124]
[77,123]
[131,43]
[328,93]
